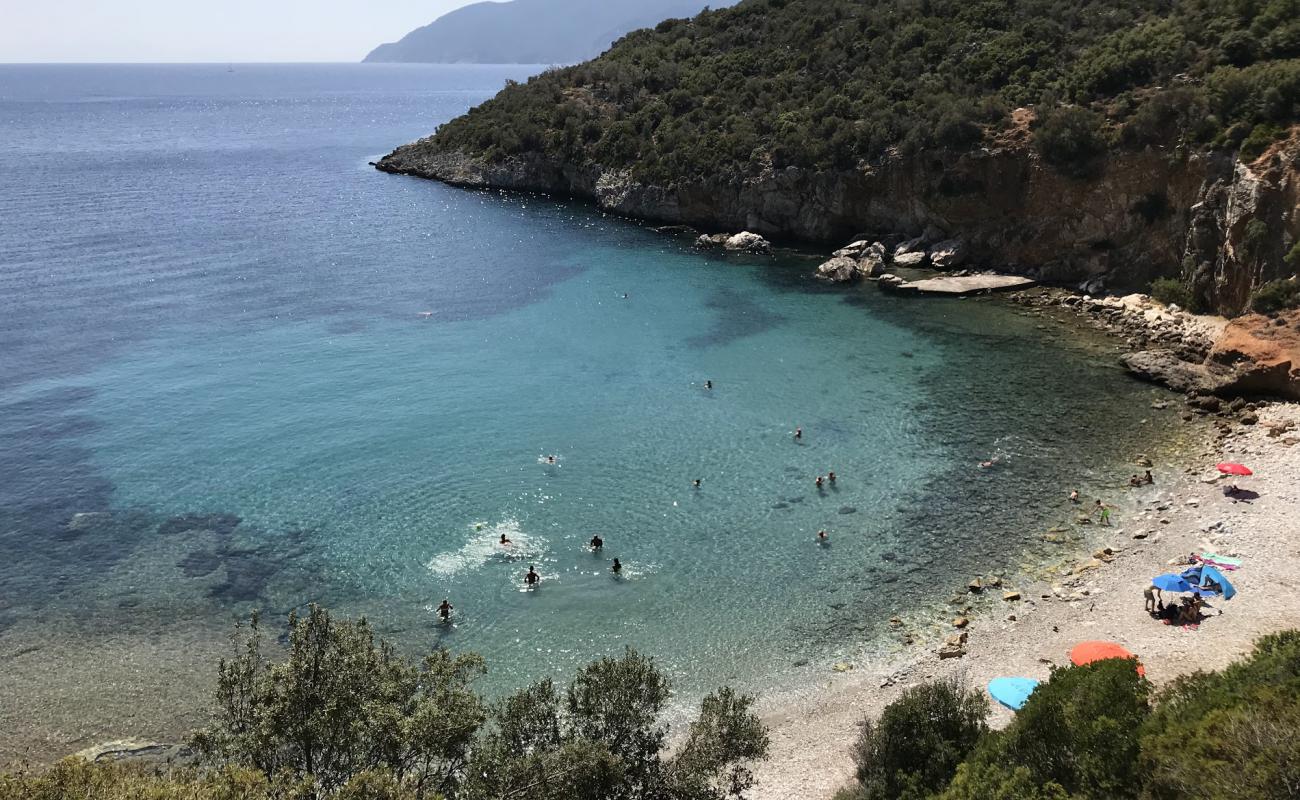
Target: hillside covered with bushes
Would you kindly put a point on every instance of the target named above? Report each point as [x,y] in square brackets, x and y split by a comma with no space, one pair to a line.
[833,83]
[1095,143]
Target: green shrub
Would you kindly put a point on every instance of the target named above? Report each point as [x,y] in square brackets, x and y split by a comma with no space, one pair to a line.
[1292,258]
[1260,139]
[1229,734]
[1080,730]
[1276,296]
[1070,139]
[915,747]
[1172,291]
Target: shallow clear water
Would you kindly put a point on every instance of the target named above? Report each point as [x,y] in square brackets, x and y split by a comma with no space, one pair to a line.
[290,378]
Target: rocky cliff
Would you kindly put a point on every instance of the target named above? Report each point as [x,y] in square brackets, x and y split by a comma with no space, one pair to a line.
[1135,217]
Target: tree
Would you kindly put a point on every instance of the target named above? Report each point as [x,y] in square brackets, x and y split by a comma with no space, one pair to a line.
[1080,730]
[342,705]
[914,748]
[723,741]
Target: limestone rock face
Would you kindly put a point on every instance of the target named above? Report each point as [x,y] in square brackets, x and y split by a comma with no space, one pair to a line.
[1143,215]
[1266,350]
[711,241]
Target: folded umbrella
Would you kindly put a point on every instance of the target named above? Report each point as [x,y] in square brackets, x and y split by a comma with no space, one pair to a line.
[1233,468]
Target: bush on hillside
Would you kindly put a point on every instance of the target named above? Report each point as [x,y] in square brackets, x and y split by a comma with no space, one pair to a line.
[915,747]
[1172,291]
[1229,734]
[1070,139]
[822,84]
[1276,296]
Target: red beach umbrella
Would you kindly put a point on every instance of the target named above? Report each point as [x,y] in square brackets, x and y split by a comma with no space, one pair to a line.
[1233,468]
[1088,652]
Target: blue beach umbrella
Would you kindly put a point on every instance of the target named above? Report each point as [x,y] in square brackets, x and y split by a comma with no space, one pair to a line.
[1208,574]
[1012,692]
[1170,582]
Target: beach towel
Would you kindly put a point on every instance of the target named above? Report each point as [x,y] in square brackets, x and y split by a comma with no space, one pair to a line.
[1222,562]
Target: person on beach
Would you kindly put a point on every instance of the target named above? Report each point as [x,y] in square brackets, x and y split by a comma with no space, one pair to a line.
[1104,510]
[798,433]
[597,542]
[532,578]
[444,610]
[1150,595]
[1074,496]
[617,568]
[505,541]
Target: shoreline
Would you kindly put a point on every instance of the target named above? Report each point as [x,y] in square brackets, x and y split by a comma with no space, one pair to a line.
[813,730]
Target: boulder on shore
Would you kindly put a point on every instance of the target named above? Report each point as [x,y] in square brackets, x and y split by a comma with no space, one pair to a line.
[916,245]
[914,259]
[712,241]
[840,269]
[746,242]
[948,254]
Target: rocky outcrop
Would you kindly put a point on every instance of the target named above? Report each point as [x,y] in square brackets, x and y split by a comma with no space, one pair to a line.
[1265,351]
[839,269]
[744,242]
[1142,215]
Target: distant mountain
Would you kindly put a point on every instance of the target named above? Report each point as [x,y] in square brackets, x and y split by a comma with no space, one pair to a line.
[532,31]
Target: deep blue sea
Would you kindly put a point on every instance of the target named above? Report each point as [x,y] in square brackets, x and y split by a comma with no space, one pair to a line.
[240,369]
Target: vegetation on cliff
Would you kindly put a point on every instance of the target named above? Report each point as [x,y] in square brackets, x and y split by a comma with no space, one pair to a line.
[345,716]
[1098,731]
[838,83]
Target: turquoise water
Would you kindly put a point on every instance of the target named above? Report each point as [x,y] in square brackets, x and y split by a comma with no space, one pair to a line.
[275,376]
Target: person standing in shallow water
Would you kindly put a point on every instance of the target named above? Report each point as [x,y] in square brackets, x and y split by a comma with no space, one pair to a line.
[597,542]
[617,568]
[798,434]
[532,578]
[1104,511]
[444,610]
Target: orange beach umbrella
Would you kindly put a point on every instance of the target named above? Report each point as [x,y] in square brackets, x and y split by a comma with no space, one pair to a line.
[1233,468]
[1088,652]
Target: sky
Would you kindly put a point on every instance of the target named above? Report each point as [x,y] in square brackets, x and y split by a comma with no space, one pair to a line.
[206,30]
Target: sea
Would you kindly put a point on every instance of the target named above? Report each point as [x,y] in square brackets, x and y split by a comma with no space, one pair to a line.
[243,371]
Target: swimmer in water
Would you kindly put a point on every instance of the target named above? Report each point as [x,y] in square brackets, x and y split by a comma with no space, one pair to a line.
[821,536]
[987,464]
[624,295]
[819,481]
[798,433]
[618,567]
[696,483]
[505,542]
[597,542]
[444,610]
[708,384]
[532,578]
[830,476]
[1074,495]
[550,459]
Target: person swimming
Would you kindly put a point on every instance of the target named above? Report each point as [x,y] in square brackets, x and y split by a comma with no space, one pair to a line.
[550,459]
[708,384]
[819,481]
[798,433]
[822,536]
[532,578]
[617,568]
[596,542]
[1074,496]
[696,483]
[830,476]
[444,610]
[505,541]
